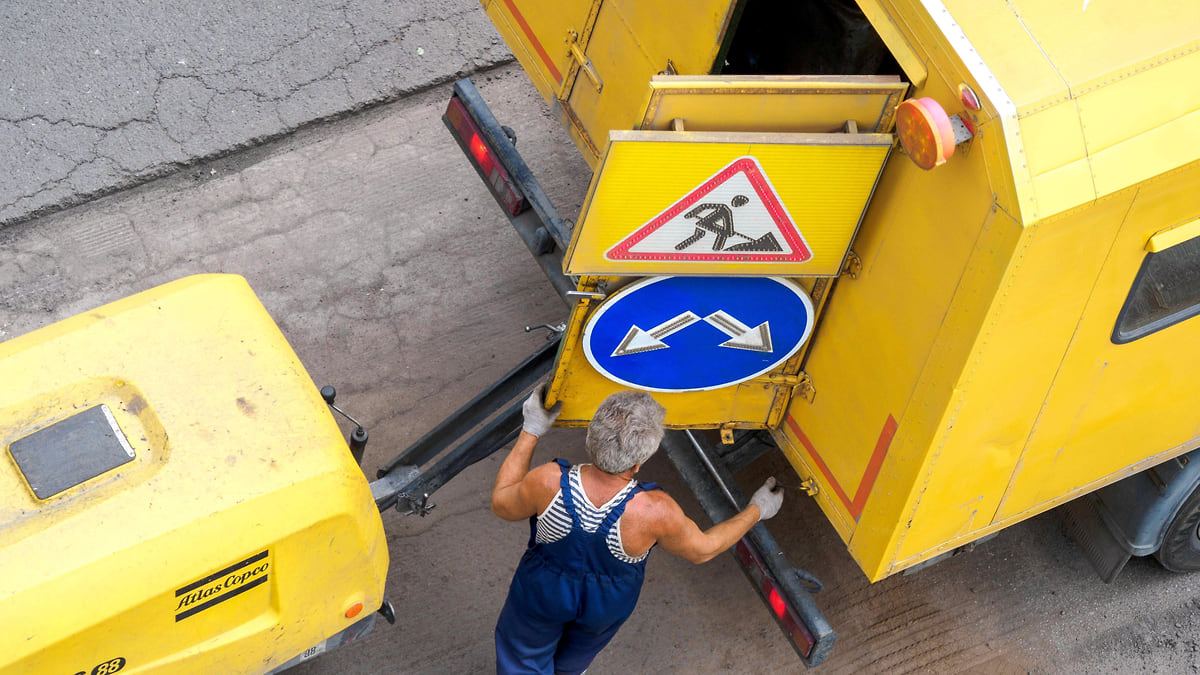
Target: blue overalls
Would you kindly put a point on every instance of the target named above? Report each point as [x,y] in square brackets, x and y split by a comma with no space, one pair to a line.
[567,598]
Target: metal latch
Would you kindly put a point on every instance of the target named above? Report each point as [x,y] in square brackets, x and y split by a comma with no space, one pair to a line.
[801,384]
[584,62]
[810,487]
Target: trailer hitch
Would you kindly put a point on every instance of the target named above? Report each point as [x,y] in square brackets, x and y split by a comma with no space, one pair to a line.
[407,481]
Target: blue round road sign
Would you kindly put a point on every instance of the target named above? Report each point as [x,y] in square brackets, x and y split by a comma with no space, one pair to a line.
[697,333]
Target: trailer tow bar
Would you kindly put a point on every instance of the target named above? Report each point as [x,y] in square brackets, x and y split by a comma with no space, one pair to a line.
[495,417]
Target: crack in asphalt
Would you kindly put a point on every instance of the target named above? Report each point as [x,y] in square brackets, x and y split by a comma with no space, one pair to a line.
[186,112]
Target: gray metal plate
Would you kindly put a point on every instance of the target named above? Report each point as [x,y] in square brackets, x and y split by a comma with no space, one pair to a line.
[72,451]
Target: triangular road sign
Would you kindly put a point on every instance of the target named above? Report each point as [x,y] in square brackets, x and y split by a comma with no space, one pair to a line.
[734,216]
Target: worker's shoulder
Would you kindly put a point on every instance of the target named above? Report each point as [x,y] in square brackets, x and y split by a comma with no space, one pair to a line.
[549,472]
[654,504]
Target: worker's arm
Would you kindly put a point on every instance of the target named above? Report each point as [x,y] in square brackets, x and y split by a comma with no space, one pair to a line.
[516,494]
[514,497]
[681,536]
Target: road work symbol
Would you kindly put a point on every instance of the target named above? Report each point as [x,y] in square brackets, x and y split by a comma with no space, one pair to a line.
[718,219]
[703,332]
[741,336]
[734,216]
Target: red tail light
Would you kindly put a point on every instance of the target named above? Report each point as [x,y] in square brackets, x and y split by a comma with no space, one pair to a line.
[484,157]
[784,613]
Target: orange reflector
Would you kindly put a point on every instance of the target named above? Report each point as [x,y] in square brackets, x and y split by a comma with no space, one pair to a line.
[354,610]
[925,132]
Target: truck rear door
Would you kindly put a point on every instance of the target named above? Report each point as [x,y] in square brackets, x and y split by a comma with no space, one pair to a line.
[749,191]
[591,59]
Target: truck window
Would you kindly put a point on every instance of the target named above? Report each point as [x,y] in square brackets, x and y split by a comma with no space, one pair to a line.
[806,37]
[1165,292]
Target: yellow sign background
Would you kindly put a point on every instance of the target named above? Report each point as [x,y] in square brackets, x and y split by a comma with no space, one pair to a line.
[824,181]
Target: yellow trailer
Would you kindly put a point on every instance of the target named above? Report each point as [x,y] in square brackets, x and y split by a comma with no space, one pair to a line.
[989,205]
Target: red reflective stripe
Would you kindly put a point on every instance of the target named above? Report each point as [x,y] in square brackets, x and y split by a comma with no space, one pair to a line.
[874,465]
[820,462]
[533,41]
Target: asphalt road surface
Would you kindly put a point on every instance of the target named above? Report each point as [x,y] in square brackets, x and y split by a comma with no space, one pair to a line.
[394,276]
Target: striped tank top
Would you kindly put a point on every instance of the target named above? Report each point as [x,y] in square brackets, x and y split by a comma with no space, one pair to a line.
[554,523]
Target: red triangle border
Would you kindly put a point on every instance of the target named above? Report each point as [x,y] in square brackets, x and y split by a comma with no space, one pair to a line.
[765,191]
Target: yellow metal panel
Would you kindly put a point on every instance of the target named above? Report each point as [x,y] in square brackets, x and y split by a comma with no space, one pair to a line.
[1172,236]
[1173,144]
[774,103]
[1127,88]
[1091,40]
[1142,98]
[996,33]
[231,441]
[536,32]
[629,43]
[1052,139]
[582,389]
[886,24]
[1064,188]
[1017,349]
[1115,407]
[639,200]
[862,436]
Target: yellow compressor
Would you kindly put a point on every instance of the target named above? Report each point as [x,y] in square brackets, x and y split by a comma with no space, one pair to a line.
[169,472]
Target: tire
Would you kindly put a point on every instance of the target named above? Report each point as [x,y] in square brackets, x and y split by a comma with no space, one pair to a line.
[1180,550]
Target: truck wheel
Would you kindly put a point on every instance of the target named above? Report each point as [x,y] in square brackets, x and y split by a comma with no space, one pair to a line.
[1180,550]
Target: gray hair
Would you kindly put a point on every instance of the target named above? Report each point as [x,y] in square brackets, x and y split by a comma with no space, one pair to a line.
[625,431]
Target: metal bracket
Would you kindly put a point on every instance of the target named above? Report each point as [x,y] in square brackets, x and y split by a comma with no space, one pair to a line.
[554,331]
[810,487]
[853,265]
[418,506]
[588,295]
[727,433]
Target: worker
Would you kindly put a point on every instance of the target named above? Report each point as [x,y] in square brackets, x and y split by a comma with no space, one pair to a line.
[591,529]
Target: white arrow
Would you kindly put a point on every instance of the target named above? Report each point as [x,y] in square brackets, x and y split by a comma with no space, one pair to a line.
[756,339]
[637,340]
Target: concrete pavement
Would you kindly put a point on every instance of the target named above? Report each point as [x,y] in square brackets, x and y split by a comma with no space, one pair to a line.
[97,97]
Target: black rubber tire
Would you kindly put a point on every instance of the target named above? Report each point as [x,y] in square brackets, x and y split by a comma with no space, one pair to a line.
[1180,550]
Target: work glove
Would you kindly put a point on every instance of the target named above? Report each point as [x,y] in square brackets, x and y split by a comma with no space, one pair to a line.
[768,499]
[537,418]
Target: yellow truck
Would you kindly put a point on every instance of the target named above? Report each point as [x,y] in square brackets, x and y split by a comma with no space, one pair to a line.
[944,255]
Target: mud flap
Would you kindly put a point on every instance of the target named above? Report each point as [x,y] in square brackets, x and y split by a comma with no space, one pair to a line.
[1130,517]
